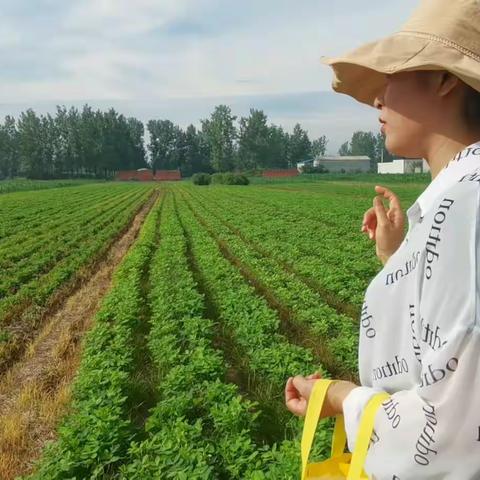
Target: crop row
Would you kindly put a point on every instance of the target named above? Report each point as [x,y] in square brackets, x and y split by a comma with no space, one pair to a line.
[37,254]
[33,210]
[334,336]
[268,356]
[34,280]
[205,321]
[327,250]
[9,186]
[30,237]
[96,433]
[254,324]
[201,427]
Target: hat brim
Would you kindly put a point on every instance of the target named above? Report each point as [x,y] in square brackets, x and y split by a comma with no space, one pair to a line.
[361,73]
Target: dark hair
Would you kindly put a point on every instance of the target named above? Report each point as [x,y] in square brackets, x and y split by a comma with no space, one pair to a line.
[472,107]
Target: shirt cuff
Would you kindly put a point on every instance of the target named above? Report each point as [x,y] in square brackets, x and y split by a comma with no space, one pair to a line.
[353,405]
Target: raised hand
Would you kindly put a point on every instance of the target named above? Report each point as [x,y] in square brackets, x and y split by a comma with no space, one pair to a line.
[385,227]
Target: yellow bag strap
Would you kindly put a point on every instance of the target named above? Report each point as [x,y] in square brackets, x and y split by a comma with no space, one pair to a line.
[339,439]
[364,434]
[312,417]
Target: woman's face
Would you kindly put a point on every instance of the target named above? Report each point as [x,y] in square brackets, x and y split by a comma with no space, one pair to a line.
[408,107]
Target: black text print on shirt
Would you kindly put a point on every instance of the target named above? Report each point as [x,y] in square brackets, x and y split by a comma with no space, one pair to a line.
[366,320]
[434,237]
[404,270]
[424,443]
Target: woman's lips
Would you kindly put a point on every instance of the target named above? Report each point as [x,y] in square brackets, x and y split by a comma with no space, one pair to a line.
[383,123]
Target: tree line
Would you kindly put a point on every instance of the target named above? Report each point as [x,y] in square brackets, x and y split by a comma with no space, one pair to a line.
[87,143]
[72,143]
[222,145]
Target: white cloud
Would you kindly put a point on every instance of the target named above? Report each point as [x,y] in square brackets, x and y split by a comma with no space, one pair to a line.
[116,18]
[149,51]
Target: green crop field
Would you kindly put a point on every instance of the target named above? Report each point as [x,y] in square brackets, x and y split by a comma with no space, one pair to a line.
[226,292]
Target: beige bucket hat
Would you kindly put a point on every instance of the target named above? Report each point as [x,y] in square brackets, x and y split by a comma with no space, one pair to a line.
[440,35]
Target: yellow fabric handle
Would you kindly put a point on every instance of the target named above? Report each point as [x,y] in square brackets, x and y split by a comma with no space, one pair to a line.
[364,434]
[339,441]
[315,404]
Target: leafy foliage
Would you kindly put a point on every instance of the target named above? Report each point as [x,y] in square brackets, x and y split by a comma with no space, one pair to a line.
[202,179]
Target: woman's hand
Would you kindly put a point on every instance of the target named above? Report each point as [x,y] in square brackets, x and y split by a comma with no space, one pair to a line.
[297,393]
[299,388]
[385,227]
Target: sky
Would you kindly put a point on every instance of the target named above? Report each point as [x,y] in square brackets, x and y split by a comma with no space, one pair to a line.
[177,59]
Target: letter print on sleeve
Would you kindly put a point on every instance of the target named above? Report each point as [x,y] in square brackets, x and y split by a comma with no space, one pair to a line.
[366,321]
[434,238]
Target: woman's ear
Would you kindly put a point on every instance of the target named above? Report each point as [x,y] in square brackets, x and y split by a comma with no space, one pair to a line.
[446,82]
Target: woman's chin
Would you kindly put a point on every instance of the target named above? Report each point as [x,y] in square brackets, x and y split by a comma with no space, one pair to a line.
[396,147]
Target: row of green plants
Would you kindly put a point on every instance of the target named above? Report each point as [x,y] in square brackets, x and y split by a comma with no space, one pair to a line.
[335,334]
[31,224]
[95,435]
[266,355]
[34,278]
[201,427]
[254,324]
[36,252]
[314,235]
[30,210]
[20,185]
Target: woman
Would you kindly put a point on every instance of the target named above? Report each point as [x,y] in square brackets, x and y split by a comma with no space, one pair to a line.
[420,321]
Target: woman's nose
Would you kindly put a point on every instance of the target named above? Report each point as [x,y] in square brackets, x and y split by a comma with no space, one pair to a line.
[377,103]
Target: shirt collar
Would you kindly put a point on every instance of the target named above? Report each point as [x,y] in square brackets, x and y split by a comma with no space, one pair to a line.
[461,164]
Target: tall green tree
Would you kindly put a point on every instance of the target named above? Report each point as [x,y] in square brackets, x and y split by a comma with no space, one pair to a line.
[8,148]
[344,149]
[278,147]
[196,154]
[299,146]
[220,134]
[31,159]
[319,146]
[163,135]
[362,143]
[136,149]
[253,141]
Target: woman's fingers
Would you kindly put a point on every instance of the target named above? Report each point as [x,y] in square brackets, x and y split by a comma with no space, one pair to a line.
[388,194]
[291,393]
[382,218]
[395,212]
[294,402]
[368,216]
[303,386]
[369,224]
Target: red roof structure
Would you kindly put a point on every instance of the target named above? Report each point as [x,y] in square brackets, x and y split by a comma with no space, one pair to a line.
[167,175]
[280,172]
[146,175]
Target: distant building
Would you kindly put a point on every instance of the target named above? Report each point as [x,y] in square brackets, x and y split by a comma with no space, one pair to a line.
[338,163]
[146,175]
[280,172]
[404,165]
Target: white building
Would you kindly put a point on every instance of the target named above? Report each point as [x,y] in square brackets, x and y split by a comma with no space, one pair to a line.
[404,165]
[337,163]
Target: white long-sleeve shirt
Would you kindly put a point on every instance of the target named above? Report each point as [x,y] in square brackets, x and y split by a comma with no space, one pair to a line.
[420,338]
